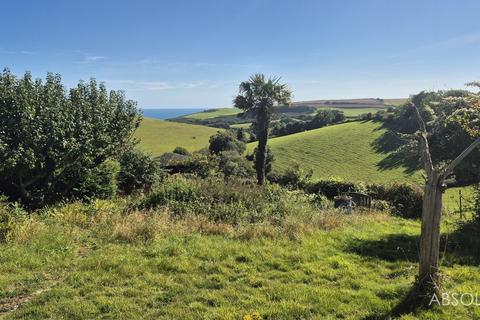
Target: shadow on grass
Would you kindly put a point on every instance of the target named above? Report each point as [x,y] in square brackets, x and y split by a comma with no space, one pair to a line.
[413,302]
[459,247]
[398,153]
[394,247]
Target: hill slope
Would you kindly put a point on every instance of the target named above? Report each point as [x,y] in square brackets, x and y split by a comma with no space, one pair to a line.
[158,136]
[343,150]
[213,113]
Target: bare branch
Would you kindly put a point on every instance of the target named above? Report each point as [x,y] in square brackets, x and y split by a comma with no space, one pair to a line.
[424,146]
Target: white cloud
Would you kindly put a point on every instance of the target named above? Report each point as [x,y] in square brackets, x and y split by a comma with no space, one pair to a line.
[227,65]
[91,59]
[143,85]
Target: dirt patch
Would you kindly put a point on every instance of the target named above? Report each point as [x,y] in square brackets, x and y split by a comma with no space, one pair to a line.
[10,304]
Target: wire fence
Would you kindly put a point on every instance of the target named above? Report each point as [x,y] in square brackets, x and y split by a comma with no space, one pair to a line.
[464,204]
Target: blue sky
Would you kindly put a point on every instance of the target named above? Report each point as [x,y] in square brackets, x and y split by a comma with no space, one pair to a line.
[194,53]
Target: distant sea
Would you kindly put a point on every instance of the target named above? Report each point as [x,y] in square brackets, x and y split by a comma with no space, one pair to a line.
[168,113]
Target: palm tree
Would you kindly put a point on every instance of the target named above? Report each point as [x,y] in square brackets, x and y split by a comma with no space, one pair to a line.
[258,96]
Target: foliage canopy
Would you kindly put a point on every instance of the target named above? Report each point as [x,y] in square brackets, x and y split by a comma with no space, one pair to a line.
[50,137]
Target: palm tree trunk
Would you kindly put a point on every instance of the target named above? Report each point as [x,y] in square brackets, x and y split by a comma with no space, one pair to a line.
[261,156]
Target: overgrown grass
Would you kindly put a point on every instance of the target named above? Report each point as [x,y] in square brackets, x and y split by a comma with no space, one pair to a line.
[110,260]
[158,136]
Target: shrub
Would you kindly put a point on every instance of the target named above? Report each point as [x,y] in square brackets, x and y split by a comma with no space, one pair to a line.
[294,177]
[198,164]
[100,182]
[226,141]
[174,192]
[138,171]
[402,199]
[381,205]
[50,138]
[269,159]
[232,164]
[181,150]
[320,201]
[332,187]
[223,201]
[405,199]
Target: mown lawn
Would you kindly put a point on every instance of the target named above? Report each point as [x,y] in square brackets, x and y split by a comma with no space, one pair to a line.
[87,262]
[158,136]
[345,150]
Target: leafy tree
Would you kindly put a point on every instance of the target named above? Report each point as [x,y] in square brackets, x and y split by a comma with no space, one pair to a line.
[258,96]
[226,141]
[50,138]
[451,119]
[326,117]
[436,174]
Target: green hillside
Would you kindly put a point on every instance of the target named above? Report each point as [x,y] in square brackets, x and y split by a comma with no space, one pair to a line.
[213,113]
[394,102]
[343,150]
[158,136]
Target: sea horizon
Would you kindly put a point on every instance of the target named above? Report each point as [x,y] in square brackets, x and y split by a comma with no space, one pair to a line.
[170,112]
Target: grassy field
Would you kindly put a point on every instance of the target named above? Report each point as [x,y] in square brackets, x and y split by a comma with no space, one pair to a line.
[343,150]
[158,136]
[394,102]
[241,125]
[349,112]
[213,113]
[95,262]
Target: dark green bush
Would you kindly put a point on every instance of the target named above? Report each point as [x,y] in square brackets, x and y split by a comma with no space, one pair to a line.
[51,137]
[333,187]
[294,177]
[178,193]
[181,150]
[226,141]
[138,171]
[269,160]
[232,164]
[405,199]
[198,164]
[100,183]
